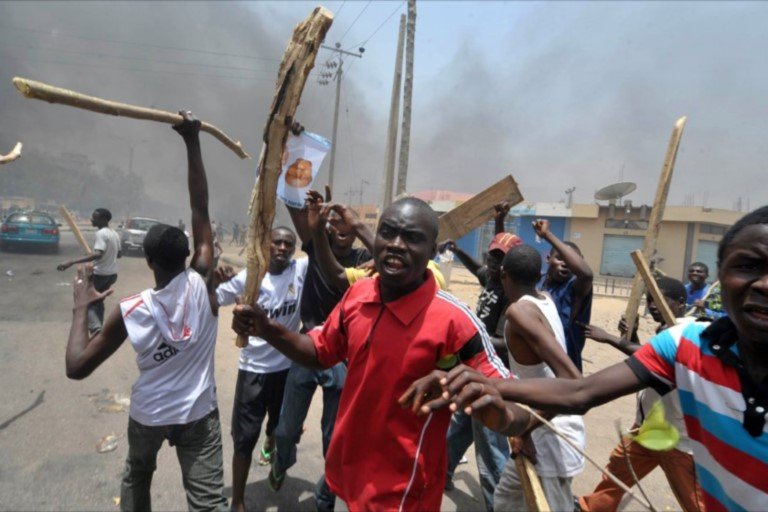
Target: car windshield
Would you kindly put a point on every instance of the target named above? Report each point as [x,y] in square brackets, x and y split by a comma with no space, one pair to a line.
[141,224]
[31,218]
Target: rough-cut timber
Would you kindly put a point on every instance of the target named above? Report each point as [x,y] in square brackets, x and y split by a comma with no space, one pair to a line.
[644,271]
[76,230]
[529,479]
[298,61]
[654,222]
[40,91]
[479,209]
[15,154]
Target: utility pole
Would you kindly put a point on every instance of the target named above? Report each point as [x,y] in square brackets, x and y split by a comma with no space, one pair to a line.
[394,116]
[323,79]
[405,136]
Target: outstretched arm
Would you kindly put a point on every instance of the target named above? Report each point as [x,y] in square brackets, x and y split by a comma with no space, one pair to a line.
[202,235]
[574,261]
[84,354]
[602,336]
[467,260]
[85,259]
[348,217]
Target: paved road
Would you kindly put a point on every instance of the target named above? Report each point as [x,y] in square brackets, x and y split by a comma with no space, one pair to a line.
[50,426]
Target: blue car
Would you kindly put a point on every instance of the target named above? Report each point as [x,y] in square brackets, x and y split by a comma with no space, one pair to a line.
[30,229]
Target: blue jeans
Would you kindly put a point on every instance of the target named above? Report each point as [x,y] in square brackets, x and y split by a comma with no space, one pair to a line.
[299,389]
[491,448]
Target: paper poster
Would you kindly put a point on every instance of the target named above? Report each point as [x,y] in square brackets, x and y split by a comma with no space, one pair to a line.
[301,162]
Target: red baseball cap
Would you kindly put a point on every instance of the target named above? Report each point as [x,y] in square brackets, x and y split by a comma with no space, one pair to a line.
[504,242]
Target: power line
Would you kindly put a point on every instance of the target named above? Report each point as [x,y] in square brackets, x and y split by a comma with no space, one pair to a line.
[134,43]
[336,16]
[382,24]
[145,59]
[355,20]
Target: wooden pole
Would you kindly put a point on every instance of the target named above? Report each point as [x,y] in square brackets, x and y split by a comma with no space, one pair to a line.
[394,116]
[650,282]
[529,479]
[706,296]
[15,154]
[76,230]
[298,61]
[654,222]
[41,91]
[405,135]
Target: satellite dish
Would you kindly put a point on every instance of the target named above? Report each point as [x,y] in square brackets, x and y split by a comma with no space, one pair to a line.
[615,191]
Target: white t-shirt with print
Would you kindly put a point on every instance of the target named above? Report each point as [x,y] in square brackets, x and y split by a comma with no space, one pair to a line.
[279,297]
[108,242]
[173,331]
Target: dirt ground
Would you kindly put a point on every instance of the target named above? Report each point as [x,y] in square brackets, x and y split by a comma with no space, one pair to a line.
[601,421]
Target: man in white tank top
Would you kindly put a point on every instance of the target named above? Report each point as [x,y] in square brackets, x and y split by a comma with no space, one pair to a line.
[172,328]
[536,343]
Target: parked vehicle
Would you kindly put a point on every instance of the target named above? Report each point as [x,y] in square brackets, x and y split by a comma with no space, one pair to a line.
[31,229]
[133,233]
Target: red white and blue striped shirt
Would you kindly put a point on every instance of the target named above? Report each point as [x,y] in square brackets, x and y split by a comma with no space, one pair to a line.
[732,466]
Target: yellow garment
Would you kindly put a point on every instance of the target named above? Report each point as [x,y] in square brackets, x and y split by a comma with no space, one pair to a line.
[355,274]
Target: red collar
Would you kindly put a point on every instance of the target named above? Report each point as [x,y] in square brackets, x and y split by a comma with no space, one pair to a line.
[407,307]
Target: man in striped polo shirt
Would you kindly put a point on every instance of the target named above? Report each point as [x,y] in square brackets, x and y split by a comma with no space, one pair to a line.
[720,370]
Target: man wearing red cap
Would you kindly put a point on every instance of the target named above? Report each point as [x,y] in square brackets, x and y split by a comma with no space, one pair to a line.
[491,447]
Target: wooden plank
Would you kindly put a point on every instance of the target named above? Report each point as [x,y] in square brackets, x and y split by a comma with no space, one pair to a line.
[76,230]
[655,218]
[479,209]
[529,479]
[653,288]
[298,61]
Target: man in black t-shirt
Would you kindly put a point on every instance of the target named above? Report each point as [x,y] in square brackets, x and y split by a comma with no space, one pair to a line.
[317,301]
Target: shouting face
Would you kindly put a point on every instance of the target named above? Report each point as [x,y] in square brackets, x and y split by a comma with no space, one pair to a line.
[743,273]
[558,271]
[405,242]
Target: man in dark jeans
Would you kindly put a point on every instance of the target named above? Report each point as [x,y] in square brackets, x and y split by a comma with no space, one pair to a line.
[317,301]
[106,250]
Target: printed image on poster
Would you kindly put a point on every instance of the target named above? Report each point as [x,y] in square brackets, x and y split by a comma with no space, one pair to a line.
[302,158]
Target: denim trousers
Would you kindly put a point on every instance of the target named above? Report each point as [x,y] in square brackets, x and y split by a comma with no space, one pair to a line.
[96,310]
[491,448]
[300,386]
[198,448]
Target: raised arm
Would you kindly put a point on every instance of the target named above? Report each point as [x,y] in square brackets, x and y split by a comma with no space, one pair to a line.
[317,217]
[575,262]
[84,354]
[500,211]
[467,260]
[202,235]
[348,217]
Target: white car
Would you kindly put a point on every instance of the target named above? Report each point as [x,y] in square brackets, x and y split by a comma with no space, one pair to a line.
[133,233]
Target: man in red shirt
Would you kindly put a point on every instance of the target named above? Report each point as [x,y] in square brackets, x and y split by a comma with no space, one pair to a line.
[393,330]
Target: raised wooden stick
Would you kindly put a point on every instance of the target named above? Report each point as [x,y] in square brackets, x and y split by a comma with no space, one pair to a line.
[41,91]
[529,479]
[653,287]
[15,154]
[654,222]
[298,61]
[706,296]
[76,230]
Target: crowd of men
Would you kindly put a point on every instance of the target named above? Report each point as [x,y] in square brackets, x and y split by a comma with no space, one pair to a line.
[411,377]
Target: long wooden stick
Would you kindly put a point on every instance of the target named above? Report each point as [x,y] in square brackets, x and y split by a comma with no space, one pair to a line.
[15,154]
[76,230]
[653,287]
[529,479]
[298,61]
[51,94]
[576,447]
[707,295]
[654,222]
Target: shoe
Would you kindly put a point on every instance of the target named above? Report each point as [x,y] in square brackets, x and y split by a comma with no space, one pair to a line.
[266,452]
[275,481]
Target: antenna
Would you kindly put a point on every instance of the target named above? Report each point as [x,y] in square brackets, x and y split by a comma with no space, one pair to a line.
[612,193]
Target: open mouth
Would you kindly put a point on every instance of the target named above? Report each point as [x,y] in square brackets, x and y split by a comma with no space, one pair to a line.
[393,264]
[757,311]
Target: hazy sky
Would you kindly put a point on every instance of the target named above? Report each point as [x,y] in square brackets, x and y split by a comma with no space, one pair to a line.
[559,94]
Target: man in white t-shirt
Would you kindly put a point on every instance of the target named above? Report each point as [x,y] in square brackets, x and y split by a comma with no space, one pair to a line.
[106,250]
[263,369]
[536,341]
[172,327]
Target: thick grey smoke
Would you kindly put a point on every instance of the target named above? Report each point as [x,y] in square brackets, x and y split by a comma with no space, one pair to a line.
[570,95]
